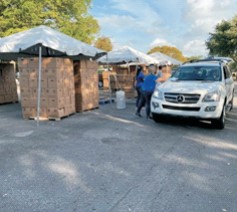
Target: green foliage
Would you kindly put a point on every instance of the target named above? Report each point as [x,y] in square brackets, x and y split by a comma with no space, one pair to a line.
[170,51]
[194,58]
[223,42]
[233,67]
[68,16]
[104,43]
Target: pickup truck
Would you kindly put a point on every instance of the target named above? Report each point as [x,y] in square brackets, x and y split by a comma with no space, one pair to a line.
[202,89]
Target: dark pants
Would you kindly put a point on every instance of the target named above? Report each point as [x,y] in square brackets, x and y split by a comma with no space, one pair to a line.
[145,100]
[139,96]
[148,96]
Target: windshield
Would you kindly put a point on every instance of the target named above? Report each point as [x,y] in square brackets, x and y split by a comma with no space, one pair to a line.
[202,73]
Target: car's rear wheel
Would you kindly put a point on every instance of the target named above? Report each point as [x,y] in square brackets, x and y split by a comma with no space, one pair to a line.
[156,117]
[220,123]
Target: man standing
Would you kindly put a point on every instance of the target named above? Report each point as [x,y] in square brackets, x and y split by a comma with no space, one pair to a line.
[148,88]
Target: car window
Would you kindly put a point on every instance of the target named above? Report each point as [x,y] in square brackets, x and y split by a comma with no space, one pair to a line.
[230,74]
[226,73]
[210,73]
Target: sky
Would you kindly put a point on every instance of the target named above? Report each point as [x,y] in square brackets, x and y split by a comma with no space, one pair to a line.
[143,24]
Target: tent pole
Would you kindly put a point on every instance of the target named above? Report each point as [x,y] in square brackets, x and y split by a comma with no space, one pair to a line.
[39,84]
[128,68]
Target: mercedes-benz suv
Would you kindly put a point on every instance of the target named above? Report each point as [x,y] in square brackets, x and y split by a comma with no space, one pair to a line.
[202,89]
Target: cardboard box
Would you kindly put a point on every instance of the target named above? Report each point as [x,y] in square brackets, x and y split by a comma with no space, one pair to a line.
[25,101]
[44,102]
[8,88]
[24,82]
[2,99]
[57,87]
[33,83]
[33,62]
[51,92]
[53,102]
[28,112]
[25,92]
[86,85]
[56,113]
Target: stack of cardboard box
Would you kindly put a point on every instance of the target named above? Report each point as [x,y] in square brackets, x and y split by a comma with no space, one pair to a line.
[125,79]
[57,92]
[86,85]
[126,83]
[8,88]
[106,79]
[109,80]
[116,81]
[114,84]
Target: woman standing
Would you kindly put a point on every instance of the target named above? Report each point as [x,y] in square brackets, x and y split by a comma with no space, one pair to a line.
[139,81]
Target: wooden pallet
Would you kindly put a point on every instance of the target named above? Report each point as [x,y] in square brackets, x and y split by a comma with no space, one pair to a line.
[50,118]
[104,101]
[8,103]
[88,110]
[59,119]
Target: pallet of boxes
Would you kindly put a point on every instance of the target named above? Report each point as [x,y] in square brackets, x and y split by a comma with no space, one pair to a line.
[86,85]
[126,83]
[125,79]
[106,79]
[110,80]
[57,92]
[8,88]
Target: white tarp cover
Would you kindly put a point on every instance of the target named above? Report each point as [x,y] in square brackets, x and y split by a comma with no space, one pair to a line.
[165,59]
[48,38]
[127,54]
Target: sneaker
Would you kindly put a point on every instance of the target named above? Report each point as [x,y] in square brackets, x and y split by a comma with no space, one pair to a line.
[139,115]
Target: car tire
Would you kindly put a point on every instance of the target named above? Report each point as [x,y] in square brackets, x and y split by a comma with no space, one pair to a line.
[156,117]
[220,123]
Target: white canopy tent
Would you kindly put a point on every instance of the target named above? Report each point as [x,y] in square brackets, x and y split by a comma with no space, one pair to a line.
[53,43]
[126,55]
[44,41]
[165,59]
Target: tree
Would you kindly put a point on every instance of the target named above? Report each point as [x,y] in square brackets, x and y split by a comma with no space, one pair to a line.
[194,58]
[233,67]
[223,42]
[68,16]
[104,43]
[170,51]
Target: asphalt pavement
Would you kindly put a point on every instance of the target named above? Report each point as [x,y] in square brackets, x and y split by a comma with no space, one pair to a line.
[111,160]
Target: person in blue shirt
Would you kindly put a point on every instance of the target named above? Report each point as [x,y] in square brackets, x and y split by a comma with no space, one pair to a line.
[138,84]
[148,88]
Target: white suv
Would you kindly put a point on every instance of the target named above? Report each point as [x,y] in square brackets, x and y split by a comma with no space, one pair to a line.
[202,89]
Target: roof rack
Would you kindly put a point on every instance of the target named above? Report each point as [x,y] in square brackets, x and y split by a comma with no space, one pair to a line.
[207,60]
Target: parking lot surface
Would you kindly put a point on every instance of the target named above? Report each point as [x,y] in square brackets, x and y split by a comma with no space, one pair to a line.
[111,160]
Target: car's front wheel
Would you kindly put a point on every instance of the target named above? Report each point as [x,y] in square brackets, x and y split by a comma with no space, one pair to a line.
[220,123]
